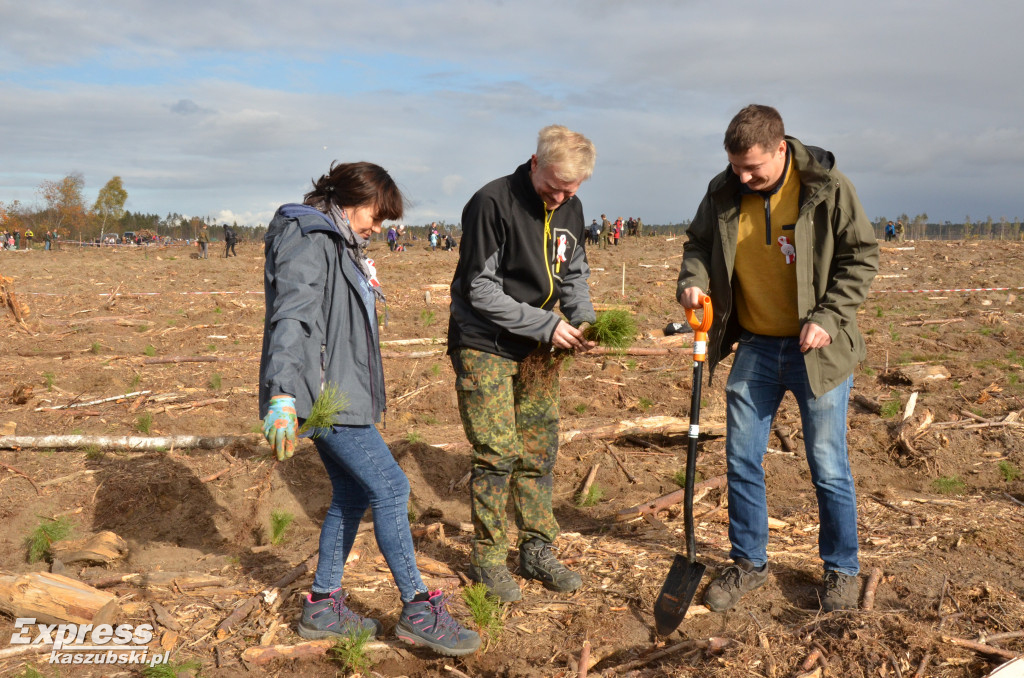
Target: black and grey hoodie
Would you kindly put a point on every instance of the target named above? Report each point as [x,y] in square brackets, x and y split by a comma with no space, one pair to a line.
[512,269]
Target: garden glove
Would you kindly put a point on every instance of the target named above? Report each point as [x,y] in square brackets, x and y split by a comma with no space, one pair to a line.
[279,426]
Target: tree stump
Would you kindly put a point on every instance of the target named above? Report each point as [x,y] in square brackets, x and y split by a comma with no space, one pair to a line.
[97,549]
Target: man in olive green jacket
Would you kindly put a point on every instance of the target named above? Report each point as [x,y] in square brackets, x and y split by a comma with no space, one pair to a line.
[782,246]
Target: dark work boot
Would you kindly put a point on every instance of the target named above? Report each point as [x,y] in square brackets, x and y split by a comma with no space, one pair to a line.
[536,561]
[498,581]
[735,580]
[842,591]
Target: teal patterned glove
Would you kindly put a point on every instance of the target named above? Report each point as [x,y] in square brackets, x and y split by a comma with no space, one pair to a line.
[279,426]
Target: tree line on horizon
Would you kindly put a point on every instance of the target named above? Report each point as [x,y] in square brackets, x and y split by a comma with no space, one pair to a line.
[65,211]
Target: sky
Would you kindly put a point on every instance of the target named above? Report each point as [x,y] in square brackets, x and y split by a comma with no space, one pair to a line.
[227,109]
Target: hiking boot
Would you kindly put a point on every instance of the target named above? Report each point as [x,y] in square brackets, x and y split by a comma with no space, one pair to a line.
[536,561]
[427,623]
[498,581]
[331,617]
[842,591]
[735,580]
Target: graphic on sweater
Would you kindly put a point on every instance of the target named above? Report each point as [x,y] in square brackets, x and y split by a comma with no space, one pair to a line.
[788,250]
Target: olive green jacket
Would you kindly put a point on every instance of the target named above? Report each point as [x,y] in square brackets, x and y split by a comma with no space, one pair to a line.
[836,260]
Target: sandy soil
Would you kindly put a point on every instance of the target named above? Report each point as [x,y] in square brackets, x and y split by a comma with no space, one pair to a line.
[941,516]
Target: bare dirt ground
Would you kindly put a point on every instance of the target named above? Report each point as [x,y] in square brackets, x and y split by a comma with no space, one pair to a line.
[941,515]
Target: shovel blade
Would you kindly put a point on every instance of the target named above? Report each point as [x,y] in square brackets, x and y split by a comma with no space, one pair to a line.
[676,594]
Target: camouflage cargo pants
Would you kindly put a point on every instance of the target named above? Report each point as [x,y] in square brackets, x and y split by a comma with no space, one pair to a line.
[512,424]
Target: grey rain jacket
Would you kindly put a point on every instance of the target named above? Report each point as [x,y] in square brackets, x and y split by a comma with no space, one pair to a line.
[511,271]
[321,320]
[836,260]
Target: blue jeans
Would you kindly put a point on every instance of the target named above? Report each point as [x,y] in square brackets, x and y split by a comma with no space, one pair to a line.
[763,370]
[364,474]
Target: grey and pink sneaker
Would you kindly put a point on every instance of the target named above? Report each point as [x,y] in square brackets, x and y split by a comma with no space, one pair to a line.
[331,617]
[427,623]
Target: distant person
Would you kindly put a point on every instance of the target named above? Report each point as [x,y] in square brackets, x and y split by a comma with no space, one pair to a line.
[617,231]
[639,227]
[899,231]
[204,243]
[783,248]
[890,231]
[230,238]
[29,235]
[606,232]
[392,238]
[592,232]
[49,241]
[433,236]
[522,252]
[321,329]
[17,239]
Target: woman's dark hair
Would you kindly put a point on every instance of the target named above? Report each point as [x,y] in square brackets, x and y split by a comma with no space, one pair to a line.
[355,184]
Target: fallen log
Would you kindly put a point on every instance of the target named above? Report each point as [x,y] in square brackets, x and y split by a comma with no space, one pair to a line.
[261,655]
[663,425]
[191,359]
[72,442]
[981,647]
[664,501]
[53,599]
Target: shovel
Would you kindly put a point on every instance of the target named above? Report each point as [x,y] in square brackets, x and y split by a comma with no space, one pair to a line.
[685,574]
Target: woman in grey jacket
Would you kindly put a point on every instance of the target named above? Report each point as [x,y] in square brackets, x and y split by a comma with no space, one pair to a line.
[321,331]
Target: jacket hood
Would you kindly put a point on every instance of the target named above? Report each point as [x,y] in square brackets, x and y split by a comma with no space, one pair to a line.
[310,219]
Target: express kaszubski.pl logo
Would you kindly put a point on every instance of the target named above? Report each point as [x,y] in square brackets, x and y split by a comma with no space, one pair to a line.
[88,644]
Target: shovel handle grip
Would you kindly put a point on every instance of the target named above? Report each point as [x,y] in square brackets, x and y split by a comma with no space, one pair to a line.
[700,327]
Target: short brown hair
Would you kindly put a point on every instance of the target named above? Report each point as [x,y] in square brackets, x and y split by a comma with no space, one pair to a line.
[754,125]
[357,184]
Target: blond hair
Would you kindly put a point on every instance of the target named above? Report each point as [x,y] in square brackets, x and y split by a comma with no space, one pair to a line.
[570,153]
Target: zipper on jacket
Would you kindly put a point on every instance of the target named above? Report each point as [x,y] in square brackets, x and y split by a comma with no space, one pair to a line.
[547,264]
[768,220]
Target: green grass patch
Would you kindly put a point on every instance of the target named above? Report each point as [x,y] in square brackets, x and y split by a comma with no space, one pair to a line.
[280,521]
[868,371]
[350,651]
[144,422]
[141,328]
[615,329]
[413,437]
[680,477]
[93,453]
[485,609]
[28,672]
[48,378]
[150,350]
[215,381]
[96,347]
[435,370]
[645,404]
[48,531]
[949,485]
[211,347]
[1008,471]
[593,496]
[172,669]
[878,312]
[327,405]
[891,408]
[580,409]
[427,317]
